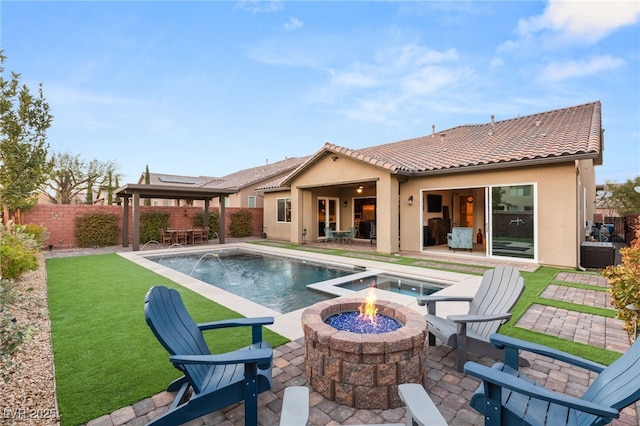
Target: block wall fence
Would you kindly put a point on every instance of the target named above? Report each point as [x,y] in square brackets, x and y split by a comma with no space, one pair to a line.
[59,219]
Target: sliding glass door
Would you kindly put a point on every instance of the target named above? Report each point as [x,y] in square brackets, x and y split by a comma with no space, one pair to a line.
[513,221]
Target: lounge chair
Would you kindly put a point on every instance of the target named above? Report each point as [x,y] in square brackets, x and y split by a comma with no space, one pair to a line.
[214,381]
[499,291]
[507,396]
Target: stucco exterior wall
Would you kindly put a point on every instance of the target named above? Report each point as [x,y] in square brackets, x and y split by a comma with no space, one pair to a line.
[557,198]
[275,230]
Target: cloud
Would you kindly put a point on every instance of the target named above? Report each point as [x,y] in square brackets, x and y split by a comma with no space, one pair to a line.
[392,84]
[352,79]
[293,24]
[259,6]
[586,20]
[573,69]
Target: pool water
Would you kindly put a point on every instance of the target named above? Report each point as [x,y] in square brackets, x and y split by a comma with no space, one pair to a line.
[406,286]
[278,283]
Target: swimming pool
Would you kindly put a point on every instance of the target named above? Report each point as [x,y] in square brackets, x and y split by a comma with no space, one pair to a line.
[278,283]
[285,284]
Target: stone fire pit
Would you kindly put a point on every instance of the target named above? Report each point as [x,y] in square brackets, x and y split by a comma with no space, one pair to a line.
[363,370]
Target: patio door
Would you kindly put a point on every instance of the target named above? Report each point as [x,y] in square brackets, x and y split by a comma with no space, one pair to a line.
[327,214]
[513,219]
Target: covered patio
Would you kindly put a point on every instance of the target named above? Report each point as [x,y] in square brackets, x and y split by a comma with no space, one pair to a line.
[131,193]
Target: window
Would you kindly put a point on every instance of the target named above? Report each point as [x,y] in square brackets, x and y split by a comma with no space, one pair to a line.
[284,209]
[252,201]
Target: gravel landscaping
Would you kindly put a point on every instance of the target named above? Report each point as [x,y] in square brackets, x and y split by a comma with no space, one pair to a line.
[29,398]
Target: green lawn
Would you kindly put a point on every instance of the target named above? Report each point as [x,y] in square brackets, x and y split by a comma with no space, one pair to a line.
[106,356]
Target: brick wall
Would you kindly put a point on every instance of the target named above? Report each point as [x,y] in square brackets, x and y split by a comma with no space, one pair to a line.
[59,219]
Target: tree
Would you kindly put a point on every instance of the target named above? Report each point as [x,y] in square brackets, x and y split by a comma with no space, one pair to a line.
[109,188]
[624,280]
[624,199]
[71,175]
[118,200]
[24,163]
[147,181]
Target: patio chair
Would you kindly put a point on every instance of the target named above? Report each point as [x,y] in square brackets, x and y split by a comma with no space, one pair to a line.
[181,236]
[196,235]
[210,382]
[351,237]
[499,291]
[421,410]
[507,396]
[372,233]
[166,237]
[328,232]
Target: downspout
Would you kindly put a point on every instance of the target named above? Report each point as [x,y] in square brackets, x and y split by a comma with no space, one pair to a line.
[578,210]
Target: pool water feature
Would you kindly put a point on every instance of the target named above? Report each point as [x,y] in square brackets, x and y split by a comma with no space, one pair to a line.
[278,283]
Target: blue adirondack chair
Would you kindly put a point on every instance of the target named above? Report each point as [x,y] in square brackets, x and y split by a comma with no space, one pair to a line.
[216,381]
[507,396]
[489,308]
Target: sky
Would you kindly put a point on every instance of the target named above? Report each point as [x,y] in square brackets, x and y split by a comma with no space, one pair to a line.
[212,87]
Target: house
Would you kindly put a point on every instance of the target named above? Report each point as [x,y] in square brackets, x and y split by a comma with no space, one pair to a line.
[244,181]
[525,185]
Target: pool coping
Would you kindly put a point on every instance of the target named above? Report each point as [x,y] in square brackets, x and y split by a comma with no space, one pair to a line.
[289,324]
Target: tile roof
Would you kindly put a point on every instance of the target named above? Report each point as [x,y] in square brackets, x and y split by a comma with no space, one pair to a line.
[237,180]
[175,180]
[247,177]
[559,135]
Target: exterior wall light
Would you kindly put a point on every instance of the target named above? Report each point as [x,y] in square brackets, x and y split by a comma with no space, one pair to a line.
[359,189]
[410,201]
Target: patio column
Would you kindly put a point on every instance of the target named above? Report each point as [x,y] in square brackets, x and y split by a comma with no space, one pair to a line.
[387,215]
[221,220]
[125,221]
[136,221]
[205,214]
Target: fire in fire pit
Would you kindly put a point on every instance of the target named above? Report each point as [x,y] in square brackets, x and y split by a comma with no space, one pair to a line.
[366,320]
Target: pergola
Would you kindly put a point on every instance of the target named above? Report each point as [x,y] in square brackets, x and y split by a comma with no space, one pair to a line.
[135,192]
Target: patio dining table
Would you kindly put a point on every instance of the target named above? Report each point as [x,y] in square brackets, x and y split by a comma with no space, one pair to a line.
[342,235]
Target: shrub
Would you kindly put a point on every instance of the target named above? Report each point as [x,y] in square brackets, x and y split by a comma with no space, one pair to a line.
[97,230]
[18,251]
[39,233]
[213,222]
[151,223]
[624,283]
[241,225]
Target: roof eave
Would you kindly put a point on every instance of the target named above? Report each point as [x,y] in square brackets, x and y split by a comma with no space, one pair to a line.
[171,191]
[503,165]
